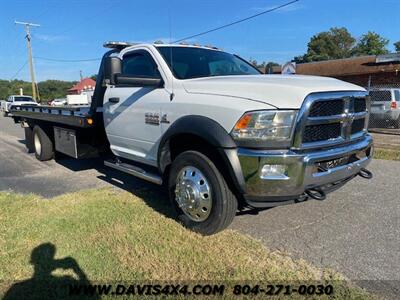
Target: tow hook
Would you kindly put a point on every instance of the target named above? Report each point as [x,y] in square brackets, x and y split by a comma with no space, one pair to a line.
[364,173]
[316,194]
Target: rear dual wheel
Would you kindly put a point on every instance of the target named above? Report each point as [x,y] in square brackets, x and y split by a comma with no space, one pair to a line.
[199,194]
[42,144]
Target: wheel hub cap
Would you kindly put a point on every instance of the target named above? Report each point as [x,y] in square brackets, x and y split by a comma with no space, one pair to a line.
[193,194]
[38,145]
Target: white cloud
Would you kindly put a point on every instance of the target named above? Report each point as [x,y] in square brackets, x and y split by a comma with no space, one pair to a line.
[49,38]
[293,7]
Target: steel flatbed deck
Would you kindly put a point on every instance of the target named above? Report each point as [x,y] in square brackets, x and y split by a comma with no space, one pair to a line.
[68,115]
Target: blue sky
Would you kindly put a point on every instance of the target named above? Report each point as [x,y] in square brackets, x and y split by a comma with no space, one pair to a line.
[76,29]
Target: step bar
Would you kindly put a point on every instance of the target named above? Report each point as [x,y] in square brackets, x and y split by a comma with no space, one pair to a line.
[134,170]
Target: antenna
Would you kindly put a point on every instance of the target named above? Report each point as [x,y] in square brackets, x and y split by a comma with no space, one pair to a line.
[35,90]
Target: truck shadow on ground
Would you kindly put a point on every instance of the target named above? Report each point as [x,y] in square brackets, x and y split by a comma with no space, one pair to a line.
[154,196]
[44,284]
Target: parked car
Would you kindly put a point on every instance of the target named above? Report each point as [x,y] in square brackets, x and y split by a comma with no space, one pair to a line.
[220,134]
[59,102]
[17,100]
[385,107]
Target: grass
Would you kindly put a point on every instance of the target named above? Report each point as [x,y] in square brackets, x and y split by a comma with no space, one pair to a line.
[387,154]
[114,236]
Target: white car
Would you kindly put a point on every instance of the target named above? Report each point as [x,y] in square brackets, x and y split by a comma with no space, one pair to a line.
[385,107]
[59,102]
[17,100]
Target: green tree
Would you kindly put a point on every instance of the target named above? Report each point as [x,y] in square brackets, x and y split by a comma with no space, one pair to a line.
[269,66]
[371,43]
[397,46]
[48,89]
[333,44]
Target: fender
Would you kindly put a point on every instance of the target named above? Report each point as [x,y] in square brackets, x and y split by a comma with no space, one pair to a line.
[210,131]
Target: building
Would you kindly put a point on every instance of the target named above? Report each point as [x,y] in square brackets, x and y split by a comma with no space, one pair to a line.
[86,84]
[381,70]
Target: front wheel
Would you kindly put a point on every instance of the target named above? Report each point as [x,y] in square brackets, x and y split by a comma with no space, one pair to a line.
[199,194]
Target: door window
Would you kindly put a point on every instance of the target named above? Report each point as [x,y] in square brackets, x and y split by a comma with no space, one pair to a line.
[139,64]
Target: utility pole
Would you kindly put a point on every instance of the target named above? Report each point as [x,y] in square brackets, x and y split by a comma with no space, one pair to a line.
[35,92]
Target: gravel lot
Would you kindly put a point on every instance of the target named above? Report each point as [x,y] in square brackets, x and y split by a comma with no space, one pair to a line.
[356,231]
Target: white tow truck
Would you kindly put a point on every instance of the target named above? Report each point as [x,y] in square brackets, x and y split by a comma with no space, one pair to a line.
[219,135]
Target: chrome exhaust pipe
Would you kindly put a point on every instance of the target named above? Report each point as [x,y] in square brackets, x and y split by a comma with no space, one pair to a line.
[364,173]
[316,193]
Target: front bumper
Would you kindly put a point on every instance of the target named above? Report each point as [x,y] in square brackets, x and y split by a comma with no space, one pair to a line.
[302,171]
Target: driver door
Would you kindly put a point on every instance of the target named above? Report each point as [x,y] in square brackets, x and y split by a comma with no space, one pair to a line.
[130,112]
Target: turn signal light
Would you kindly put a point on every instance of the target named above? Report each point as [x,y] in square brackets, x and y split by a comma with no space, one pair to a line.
[90,121]
[243,122]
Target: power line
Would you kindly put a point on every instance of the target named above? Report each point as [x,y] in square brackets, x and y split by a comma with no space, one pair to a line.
[236,22]
[19,70]
[67,60]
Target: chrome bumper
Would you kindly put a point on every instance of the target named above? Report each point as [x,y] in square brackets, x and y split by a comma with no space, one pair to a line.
[302,173]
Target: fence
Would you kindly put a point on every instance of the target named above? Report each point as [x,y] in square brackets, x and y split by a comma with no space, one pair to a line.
[385,108]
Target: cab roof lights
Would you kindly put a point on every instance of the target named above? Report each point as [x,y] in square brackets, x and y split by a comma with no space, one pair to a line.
[121,45]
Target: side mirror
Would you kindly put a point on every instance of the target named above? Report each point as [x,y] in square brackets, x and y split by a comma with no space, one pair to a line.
[131,80]
[112,66]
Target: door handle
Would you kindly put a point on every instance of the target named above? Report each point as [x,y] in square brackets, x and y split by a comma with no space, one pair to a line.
[114,99]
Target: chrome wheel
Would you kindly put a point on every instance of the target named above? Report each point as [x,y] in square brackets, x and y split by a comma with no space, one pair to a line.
[38,145]
[193,194]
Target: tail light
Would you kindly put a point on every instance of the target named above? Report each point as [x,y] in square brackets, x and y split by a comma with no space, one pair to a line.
[393,105]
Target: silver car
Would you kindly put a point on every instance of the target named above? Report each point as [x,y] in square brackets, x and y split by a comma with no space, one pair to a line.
[385,107]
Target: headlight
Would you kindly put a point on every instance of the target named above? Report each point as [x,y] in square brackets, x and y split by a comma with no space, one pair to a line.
[268,125]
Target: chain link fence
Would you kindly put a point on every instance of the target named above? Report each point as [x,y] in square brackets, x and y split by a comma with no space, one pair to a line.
[385,108]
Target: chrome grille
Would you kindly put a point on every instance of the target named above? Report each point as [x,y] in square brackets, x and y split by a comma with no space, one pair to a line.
[327,119]
[322,132]
[327,108]
[357,126]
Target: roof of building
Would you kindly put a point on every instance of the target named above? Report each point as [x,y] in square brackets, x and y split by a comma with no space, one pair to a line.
[349,66]
[85,83]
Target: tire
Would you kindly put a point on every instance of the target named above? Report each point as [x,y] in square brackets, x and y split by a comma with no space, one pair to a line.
[43,145]
[221,202]
[29,143]
[397,123]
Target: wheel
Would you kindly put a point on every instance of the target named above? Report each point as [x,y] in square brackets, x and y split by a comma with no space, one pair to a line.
[29,142]
[199,194]
[43,145]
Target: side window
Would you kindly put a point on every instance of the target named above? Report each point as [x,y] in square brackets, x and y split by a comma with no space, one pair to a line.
[397,95]
[140,65]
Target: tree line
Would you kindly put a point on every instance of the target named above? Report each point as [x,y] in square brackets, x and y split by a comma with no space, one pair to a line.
[337,43]
[48,90]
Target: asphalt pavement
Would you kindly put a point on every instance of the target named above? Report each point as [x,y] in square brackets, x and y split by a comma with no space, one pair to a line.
[356,231]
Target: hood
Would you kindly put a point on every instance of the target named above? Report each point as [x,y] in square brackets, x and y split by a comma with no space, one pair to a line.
[281,91]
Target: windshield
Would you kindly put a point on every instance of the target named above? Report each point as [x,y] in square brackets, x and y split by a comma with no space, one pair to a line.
[18,99]
[191,62]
